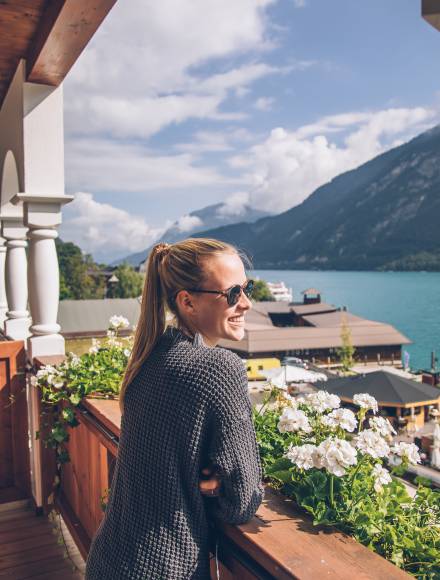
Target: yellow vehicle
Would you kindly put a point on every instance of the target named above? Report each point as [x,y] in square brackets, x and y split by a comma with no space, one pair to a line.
[254,366]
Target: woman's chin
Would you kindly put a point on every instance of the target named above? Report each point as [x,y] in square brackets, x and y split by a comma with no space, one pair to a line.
[234,332]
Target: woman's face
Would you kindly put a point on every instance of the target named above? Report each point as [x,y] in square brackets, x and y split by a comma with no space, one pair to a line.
[210,314]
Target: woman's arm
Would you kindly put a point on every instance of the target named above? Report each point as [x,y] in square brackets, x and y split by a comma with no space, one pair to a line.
[234,457]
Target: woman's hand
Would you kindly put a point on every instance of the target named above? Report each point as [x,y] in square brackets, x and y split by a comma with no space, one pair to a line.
[209,483]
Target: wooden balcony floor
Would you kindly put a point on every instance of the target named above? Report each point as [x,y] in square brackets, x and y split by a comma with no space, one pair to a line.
[29,547]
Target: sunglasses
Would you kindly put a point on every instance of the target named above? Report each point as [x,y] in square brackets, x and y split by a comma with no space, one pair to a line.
[232,294]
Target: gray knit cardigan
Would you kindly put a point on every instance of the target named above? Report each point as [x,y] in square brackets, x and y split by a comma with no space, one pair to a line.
[187,408]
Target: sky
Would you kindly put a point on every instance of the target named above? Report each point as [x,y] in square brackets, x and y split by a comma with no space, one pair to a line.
[175,105]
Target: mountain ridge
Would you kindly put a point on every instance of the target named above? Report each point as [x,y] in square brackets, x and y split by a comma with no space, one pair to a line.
[211,216]
[384,214]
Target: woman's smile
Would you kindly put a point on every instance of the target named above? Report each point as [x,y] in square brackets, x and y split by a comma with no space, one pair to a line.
[237,320]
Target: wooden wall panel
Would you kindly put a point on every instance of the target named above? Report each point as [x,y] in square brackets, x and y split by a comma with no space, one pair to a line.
[84,479]
[6,462]
[14,433]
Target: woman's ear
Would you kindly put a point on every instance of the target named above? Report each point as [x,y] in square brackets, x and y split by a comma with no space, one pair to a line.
[185,302]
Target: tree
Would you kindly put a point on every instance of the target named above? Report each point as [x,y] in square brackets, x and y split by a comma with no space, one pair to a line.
[347,350]
[80,277]
[261,291]
[130,282]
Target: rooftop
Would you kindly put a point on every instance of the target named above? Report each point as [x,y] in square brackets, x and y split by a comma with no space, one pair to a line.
[272,339]
[385,387]
[337,318]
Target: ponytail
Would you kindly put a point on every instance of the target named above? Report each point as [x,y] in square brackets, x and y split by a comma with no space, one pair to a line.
[151,324]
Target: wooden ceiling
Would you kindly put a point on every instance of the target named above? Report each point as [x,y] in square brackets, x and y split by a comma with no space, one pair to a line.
[431,12]
[49,34]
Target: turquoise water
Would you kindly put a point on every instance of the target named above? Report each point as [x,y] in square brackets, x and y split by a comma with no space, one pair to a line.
[410,301]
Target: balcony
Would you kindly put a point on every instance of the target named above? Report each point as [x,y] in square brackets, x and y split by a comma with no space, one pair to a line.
[279,542]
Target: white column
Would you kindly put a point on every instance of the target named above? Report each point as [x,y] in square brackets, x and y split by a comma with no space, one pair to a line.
[44,284]
[42,216]
[17,317]
[3,299]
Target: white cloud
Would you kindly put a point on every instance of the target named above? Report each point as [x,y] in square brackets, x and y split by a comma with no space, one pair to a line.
[215,141]
[187,223]
[289,165]
[140,73]
[98,165]
[264,103]
[235,204]
[299,3]
[102,229]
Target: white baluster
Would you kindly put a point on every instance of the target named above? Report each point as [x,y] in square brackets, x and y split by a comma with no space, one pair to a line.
[17,317]
[42,216]
[3,299]
[44,282]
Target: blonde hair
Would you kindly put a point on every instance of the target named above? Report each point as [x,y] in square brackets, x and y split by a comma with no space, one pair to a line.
[171,268]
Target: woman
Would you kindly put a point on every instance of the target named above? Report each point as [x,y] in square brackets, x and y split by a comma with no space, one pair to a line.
[185,413]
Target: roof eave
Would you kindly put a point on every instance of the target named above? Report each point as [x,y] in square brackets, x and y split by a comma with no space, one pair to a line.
[431,12]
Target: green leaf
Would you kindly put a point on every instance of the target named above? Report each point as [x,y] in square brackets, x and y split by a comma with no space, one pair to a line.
[283,476]
[280,464]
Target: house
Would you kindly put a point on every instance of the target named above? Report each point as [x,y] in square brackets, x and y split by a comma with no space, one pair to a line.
[313,331]
[398,398]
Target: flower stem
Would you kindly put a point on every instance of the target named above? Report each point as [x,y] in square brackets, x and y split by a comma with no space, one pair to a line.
[332,491]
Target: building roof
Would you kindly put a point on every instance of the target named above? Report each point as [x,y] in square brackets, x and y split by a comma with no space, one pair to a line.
[386,388]
[91,317]
[310,291]
[304,309]
[337,318]
[255,316]
[309,338]
[272,307]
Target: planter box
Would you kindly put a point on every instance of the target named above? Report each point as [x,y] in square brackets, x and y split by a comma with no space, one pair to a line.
[279,542]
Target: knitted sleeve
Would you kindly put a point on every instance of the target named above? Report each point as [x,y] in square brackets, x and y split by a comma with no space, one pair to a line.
[233,447]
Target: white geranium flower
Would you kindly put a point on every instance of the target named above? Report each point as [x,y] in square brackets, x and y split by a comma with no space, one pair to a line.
[293,420]
[46,371]
[340,418]
[382,426]
[321,401]
[117,322]
[74,360]
[381,477]
[96,345]
[127,352]
[366,401]
[335,455]
[372,443]
[302,456]
[282,394]
[408,451]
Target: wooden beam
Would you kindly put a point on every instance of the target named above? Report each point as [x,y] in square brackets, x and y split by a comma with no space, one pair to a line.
[431,12]
[66,28]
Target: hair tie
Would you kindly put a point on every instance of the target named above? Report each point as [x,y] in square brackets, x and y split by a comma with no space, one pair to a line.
[162,250]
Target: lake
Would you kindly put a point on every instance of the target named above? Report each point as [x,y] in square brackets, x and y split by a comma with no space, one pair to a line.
[410,301]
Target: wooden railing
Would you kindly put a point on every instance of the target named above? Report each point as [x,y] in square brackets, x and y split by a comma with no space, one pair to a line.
[279,542]
[15,480]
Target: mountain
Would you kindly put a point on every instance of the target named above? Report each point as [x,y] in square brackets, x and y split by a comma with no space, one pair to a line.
[212,216]
[383,215]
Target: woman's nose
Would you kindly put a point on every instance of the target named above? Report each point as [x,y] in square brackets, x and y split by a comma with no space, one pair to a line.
[244,302]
